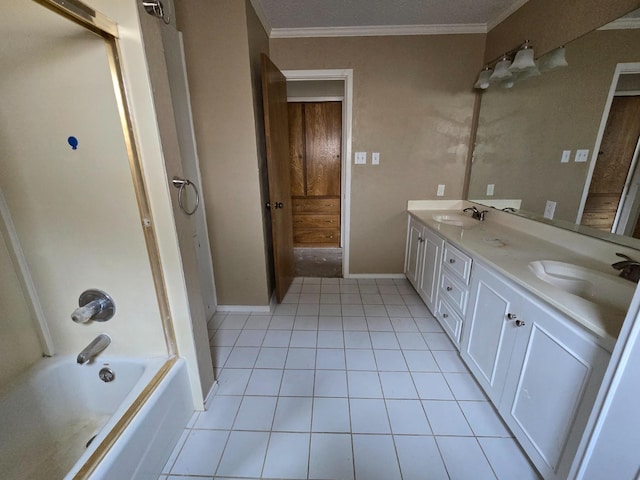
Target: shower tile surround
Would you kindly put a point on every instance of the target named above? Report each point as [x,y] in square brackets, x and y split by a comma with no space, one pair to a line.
[347,379]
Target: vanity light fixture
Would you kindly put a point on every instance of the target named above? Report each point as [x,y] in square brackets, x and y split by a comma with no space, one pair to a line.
[483,79]
[554,59]
[501,71]
[524,59]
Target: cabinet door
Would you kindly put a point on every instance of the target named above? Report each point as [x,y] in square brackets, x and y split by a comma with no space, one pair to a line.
[414,249]
[489,330]
[429,279]
[556,373]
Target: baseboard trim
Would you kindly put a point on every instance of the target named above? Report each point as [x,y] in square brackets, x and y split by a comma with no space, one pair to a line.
[375,275]
[244,308]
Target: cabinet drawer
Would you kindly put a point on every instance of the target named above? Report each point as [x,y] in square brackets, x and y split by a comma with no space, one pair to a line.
[449,320]
[316,205]
[457,263]
[455,293]
[318,236]
[315,220]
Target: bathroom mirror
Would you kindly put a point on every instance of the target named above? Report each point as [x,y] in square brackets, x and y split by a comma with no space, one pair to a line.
[523,133]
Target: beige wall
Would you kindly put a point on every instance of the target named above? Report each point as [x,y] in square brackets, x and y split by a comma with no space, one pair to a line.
[523,131]
[551,23]
[75,211]
[413,103]
[217,55]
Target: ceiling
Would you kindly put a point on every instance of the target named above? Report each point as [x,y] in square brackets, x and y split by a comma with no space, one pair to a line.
[283,18]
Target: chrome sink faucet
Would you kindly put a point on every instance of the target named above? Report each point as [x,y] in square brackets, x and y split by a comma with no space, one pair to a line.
[92,350]
[629,268]
[477,214]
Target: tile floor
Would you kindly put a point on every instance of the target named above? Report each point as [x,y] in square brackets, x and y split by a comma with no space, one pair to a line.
[347,379]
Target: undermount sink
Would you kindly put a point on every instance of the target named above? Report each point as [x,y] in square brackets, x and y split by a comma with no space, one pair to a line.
[597,287]
[456,219]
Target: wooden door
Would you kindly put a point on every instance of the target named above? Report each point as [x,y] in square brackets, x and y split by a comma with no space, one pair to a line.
[614,159]
[315,131]
[276,125]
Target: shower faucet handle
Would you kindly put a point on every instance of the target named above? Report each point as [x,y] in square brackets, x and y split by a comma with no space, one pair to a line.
[94,305]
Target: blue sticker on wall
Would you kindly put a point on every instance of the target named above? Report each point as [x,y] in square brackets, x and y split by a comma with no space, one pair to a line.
[73,141]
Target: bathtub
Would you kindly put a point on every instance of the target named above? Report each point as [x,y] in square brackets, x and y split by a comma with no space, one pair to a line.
[60,420]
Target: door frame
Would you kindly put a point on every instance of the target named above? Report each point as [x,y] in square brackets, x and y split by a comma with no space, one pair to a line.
[345,75]
[621,69]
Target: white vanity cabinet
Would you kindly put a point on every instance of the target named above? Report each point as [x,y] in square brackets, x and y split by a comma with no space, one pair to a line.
[453,292]
[423,260]
[540,369]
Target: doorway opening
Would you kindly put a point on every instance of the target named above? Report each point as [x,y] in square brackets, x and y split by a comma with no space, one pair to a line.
[319,105]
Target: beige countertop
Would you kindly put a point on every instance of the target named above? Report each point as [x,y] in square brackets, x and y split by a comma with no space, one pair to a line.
[510,250]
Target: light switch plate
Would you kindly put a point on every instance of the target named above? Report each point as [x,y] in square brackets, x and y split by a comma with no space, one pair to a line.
[440,190]
[361,158]
[375,158]
[490,188]
[566,156]
[550,209]
[582,155]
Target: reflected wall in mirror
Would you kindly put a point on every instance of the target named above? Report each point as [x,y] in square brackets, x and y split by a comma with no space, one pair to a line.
[524,131]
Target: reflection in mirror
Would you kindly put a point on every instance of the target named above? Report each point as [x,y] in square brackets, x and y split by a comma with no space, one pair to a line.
[524,133]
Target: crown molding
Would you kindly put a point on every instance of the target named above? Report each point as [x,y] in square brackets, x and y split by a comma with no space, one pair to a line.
[379,31]
[262,16]
[622,24]
[501,17]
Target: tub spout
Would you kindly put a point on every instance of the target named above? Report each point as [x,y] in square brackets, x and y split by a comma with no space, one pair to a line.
[92,350]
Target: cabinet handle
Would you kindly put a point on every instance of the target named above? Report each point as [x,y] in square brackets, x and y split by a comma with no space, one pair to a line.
[449,289]
[511,316]
[444,315]
[520,323]
[452,260]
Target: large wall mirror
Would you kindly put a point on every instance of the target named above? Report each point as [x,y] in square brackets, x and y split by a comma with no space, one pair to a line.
[593,104]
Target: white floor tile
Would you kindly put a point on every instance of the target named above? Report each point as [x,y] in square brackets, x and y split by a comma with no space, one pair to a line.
[330,383]
[285,309]
[287,456]
[464,459]
[350,299]
[330,339]
[264,382]
[379,324]
[369,289]
[277,338]
[357,340]
[419,458]
[360,359]
[371,299]
[255,413]
[219,355]
[293,414]
[301,358]
[251,338]
[283,322]
[306,321]
[330,288]
[404,325]
[330,298]
[411,341]
[390,361]
[233,381]
[407,417]
[271,357]
[330,359]
[386,340]
[308,309]
[394,299]
[464,387]
[449,361]
[432,386]
[446,418]
[330,415]
[375,311]
[302,338]
[257,322]
[375,457]
[438,341]
[420,361]
[507,459]
[244,455]
[397,385]
[220,414]
[201,453]
[242,357]
[397,310]
[330,310]
[297,383]
[225,338]
[235,320]
[327,321]
[369,416]
[352,311]
[364,384]
[308,298]
[331,456]
[418,311]
[428,324]
[483,419]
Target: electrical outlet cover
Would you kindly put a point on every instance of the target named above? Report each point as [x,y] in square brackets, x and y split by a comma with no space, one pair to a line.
[361,158]
[566,156]
[490,188]
[582,155]
[440,190]
[375,158]
[550,209]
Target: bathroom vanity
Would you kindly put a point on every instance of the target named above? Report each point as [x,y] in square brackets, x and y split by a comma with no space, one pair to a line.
[534,321]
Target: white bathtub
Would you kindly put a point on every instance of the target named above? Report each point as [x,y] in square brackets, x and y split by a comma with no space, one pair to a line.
[48,416]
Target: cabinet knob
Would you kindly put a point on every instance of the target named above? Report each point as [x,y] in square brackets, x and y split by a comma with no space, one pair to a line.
[511,316]
[449,289]
[452,260]
[520,323]
[445,315]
